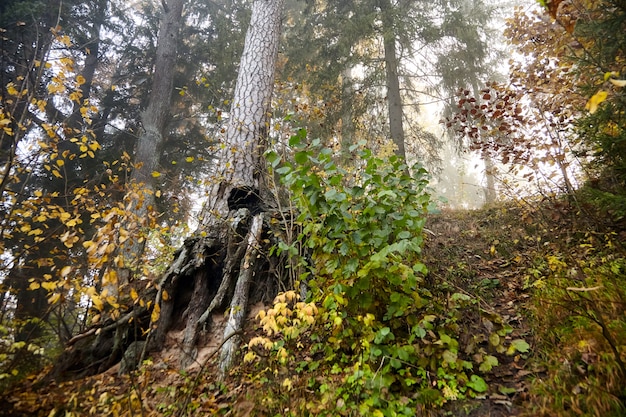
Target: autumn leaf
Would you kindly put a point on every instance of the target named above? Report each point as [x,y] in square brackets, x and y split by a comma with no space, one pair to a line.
[618,83]
[54,298]
[49,285]
[97,302]
[156,312]
[156,174]
[594,102]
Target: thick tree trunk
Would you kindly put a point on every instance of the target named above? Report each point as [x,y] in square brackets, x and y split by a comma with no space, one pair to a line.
[394,98]
[232,218]
[154,119]
[216,268]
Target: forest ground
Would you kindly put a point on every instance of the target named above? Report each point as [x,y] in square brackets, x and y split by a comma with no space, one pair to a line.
[488,254]
[482,253]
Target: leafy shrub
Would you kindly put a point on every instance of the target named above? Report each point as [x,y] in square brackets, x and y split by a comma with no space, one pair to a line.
[371,335]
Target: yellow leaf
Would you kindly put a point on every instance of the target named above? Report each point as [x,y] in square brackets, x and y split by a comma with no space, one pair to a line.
[34,286]
[165,295]
[133,294]
[56,173]
[189,159]
[60,162]
[610,74]
[80,80]
[54,298]
[97,302]
[156,312]
[65,271]
[66,41]
[618,83]
[157,194]
[594,102]
[11,89]
[49,285]
[156,174]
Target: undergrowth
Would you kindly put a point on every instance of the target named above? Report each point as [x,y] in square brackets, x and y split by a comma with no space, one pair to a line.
[578,280]
[372,336]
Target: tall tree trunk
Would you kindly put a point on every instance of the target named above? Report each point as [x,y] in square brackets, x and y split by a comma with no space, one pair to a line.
[490,188]
[240,157]
[394,99]
[232,218]
[154,120]
[216,267]
[347,125]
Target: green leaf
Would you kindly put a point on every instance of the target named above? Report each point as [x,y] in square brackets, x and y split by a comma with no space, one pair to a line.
[405,234]
[301,157]
[518,345]
[449,357]
[506,390]
[477,384]
[488,363]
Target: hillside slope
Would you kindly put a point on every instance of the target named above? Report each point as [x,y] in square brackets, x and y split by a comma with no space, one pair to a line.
[534,273]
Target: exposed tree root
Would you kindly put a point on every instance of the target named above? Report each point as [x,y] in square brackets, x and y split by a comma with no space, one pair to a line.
[208,274]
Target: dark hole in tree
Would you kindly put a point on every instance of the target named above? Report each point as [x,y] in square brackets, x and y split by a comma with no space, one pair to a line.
[245,197]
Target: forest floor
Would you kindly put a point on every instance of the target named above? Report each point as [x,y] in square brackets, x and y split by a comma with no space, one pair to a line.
[484,254]
[488,254]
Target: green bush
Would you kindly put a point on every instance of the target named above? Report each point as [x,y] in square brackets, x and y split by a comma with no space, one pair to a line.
[371,335]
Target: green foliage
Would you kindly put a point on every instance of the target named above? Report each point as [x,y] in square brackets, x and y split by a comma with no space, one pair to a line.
[579,319]
[371,336]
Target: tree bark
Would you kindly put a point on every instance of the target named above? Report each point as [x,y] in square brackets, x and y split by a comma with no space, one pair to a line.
[154,119]
[232,218]
[490,189]
[394,99]
[215,268]
[243,145]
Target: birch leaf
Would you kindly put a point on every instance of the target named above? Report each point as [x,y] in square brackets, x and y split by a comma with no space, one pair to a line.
[594,102]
